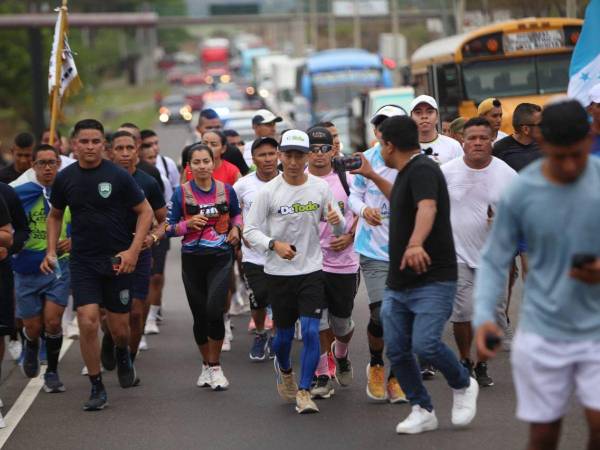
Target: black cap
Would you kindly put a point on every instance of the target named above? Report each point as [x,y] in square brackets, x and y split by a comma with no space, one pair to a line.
[319,135]
[264,140]
[564,122]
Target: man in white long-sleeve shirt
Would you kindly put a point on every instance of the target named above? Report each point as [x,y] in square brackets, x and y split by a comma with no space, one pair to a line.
[284,222]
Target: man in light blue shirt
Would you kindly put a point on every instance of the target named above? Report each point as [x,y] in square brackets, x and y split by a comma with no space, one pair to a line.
[555,206]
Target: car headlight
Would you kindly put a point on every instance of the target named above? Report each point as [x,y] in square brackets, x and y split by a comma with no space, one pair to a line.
[264,93]
[225,78]
[164,118]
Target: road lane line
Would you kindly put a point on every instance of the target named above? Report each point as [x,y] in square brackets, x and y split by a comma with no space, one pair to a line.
[26,399]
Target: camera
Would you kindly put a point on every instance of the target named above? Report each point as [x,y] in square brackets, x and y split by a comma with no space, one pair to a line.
[581,259]
[346,163]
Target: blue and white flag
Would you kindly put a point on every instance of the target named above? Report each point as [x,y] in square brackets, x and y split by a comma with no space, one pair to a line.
[585,63]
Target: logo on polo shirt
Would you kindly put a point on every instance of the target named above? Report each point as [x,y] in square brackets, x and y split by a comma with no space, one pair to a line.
[104,189]
[297,208]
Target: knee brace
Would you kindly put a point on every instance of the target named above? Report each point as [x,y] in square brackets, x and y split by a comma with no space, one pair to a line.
[341,327]
[375,329]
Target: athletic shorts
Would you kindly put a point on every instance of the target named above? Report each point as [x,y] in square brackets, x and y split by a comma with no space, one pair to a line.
[31,290]
[462,309]
[375,273]
[7,299]
[159,256]
[340,290]
[255,280]
[547,372]
[140,284]
[96,283]
[296,296]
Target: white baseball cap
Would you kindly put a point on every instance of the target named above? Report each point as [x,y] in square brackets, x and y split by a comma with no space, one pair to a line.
[263,116]
[595,94]
[423,99]
[294,140]
[387,111]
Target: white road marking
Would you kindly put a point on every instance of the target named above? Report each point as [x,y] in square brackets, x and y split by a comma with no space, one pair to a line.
[26,399]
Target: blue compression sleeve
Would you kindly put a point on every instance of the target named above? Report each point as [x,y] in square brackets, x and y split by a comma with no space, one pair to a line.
[310,352]
[282,346]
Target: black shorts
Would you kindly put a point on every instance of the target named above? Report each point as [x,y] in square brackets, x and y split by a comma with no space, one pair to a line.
[255,280]
[296,296]
[159,256]
[96,283]
[140,284]
[340,290]
[7,298]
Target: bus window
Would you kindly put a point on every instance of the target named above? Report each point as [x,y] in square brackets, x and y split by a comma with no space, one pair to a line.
[448,88]
[553,73]
[502,78]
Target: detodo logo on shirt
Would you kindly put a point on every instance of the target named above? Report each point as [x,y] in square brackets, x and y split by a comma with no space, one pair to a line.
[298,208]
[104,189]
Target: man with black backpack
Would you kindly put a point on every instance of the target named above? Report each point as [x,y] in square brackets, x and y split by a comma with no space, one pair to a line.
[340,270]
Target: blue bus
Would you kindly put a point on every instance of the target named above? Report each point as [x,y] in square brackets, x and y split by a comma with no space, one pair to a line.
[330,79]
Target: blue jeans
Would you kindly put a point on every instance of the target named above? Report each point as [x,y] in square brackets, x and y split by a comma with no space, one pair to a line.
[413,321]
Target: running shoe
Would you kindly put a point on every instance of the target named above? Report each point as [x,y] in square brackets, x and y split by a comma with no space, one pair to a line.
[43,352]
[226,347]
[14,349]
[418,421]
[286,384]
[305,404]
[481,375]
[344,372]
[218,382]
[468,364]
[31,363]
[52,383]
[159,316]
[270,348]
[395,394]
[126,371]
[331,366]
[98,399]
[143,344]
[259,347]
[228,327]
[73,329]
[376,382]
[464,404]
[151,327]
[107,352]
[427,371]
[323,388]
[204,378]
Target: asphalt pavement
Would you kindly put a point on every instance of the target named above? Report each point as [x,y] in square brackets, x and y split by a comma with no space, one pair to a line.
[168,411]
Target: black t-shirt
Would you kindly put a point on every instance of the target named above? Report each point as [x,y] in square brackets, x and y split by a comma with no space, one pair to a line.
[18,217]
[421,179]
[9,174]
[4,214]
[515,154]
[150,188]
[101,200]
[234,156]
[153,172]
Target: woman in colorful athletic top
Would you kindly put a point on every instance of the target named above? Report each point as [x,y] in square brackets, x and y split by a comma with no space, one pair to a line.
[206,213]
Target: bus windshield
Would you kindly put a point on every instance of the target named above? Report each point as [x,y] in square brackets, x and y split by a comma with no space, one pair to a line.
[536,75]
[335,90]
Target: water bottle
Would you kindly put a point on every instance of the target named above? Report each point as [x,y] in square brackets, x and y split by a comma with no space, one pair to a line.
[57,268]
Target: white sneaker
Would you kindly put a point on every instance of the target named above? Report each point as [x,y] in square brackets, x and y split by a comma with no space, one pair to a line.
[2,424]
[204,378]
[14,349]
[228,332]
[218,382]
[73,329]
[226,345]
[418,421]
[84,371]
[298,331]
[143,344]
[464,405]
[151,327]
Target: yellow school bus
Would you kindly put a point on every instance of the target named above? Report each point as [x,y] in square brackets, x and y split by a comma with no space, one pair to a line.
[524,60]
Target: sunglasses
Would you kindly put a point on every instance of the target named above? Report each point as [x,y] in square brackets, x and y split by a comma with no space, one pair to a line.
[325,148]
[46,162]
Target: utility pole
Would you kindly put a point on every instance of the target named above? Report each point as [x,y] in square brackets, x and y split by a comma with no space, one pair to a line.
[571,8]
[331,26]
[459,15]
[395,34]
[356,23]
[314,24]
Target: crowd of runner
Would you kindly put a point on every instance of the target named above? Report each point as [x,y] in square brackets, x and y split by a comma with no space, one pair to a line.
[437,227]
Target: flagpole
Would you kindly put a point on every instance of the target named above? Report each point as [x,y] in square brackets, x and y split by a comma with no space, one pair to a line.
[57,74]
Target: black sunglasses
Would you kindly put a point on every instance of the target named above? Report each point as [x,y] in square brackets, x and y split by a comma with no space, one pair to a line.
[324,148]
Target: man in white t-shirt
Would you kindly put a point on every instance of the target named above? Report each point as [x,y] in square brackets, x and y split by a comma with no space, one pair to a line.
[475,184]
[491,110]
[264,124]
[440,148]
[264,156]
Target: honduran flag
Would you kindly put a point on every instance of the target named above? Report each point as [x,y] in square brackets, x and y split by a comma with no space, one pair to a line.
[584,72]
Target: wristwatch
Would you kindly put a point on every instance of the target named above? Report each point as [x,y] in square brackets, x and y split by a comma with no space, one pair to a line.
[272,244]
[154,238]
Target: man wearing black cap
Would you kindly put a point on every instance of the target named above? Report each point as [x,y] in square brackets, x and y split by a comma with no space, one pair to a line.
[340,270]
[264,124]
[554,205]
[284,222]
[264,156]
